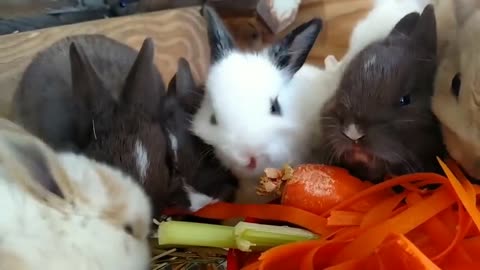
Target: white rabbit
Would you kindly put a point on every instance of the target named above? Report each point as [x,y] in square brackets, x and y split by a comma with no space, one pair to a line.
[260,107]
[380,21]
[456,99]
[65,211]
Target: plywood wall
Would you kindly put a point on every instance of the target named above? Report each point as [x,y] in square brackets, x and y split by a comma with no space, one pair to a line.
[178,33]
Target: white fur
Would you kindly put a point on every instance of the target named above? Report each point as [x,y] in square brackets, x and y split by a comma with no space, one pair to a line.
[197,199]
[76,236]
[380,21]
[240,88]
[352,132]
[460,117]
[141,160]
[174,145]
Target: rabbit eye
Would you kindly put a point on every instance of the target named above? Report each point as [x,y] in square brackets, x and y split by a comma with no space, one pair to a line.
[128,229]
[213,119]
[405,100]
[275,107]
[456,83]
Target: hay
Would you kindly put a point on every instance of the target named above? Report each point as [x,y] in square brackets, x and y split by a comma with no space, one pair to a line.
[192,258]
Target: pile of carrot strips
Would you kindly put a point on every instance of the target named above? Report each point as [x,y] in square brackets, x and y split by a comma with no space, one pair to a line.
[379,229]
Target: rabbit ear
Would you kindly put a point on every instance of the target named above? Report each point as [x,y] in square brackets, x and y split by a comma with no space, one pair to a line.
[425,32]
[188,93]
[143,84]
[406,25]
[291,52]
[87,87]
[220,40]
[28,160]
[464,9]
[183,87]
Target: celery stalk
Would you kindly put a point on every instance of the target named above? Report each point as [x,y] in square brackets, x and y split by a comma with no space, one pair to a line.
[244,236]
[261,236]
[181,233]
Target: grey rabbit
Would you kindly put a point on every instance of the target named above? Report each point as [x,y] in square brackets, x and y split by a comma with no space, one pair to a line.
[204,178]
[379,123]
[94,95]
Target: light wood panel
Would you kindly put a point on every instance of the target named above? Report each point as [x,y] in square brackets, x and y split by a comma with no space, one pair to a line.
[179,32]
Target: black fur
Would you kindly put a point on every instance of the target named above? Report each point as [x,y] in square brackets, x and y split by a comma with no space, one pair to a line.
[196,162]
[389,101]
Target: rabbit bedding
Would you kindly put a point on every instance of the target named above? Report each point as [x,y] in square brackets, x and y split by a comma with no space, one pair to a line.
[96,122]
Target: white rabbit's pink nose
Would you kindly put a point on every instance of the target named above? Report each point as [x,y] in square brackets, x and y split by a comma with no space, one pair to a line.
[252,163]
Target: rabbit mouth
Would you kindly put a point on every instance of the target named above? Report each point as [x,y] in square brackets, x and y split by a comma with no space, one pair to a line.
[358,154]
[363,164]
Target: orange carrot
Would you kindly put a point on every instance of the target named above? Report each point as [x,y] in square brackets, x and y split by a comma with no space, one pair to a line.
[317,187]
[472,246]
[319,257]
[399,253]
[462,194]
[432,230]
[273,212]
[350,265]
[430,177]
[440,233]
[252,266]
[274,258]
[381,211]
[401,223]
[344,218]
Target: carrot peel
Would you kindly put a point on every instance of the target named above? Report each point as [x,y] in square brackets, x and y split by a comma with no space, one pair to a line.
[462,194]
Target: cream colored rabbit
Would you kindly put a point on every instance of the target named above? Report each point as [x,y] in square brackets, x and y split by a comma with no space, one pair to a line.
[65,211]
[456,100]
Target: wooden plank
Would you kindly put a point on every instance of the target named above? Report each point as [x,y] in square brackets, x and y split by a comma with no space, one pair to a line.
[179,32]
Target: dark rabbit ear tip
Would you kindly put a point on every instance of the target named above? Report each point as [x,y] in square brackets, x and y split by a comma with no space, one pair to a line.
[183,63]
[316,21]
[148,41]
[148,45]
[206,10]
[428,10]
[73,50]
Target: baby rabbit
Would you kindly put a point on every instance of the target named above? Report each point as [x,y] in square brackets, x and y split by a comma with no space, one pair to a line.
[97,95]
[456,100]
[204,180]
[380,123]
[380,21]
[259,106]
[51,100]
[65,211]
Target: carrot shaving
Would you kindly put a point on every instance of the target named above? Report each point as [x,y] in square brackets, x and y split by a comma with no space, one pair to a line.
[252,266]
[320,257]
[378,229]
[382,211]
[273,212]
[344,218]
[400,253]
[401,223]
[442,235]
[466,200]
[431,177]
[273,258]
[472,246]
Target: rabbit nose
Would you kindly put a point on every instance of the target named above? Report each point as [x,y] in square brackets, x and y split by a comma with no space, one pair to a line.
[353,132]
[252,163]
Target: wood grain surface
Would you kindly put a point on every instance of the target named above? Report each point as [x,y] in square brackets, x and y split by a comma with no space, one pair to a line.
[179,33]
